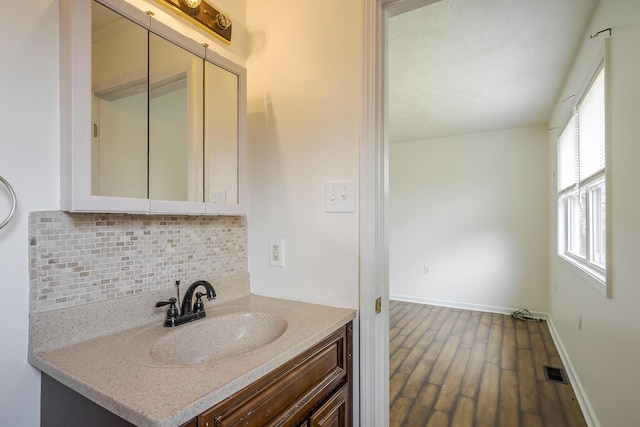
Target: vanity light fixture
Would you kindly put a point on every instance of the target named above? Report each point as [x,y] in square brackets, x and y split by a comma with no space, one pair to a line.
[203,15]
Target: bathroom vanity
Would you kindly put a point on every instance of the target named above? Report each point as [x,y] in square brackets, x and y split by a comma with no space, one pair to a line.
[312,389]
[118,372]
[153,122]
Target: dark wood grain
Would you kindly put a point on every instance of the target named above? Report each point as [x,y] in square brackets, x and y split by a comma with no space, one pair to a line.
[452,368]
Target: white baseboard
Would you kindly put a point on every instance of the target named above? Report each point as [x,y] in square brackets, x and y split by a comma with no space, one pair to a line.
[583,400]
[463,305]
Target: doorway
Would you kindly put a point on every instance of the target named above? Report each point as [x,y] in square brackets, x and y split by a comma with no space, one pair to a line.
[375,209]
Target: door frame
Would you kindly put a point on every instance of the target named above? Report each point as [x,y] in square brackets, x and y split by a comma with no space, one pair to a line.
[374,229]
[373,330]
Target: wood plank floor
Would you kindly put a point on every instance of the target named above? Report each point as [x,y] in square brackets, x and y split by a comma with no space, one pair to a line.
[451,367]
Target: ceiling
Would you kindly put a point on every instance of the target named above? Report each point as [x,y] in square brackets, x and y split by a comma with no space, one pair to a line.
[466,66]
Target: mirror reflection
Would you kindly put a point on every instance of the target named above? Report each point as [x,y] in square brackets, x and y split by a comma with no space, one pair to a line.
[119,105]
[165,121]
[221,135]
[175,122]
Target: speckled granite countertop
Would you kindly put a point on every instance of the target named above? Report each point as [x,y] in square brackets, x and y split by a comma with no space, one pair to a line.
[117,371]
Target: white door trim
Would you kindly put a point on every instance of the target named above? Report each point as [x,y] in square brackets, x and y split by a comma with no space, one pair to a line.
[374,330]
[374,190]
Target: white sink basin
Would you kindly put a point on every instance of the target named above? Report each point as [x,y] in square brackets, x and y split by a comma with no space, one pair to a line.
[218,337]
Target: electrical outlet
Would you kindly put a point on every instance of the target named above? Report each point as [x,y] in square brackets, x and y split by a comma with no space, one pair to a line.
[276,252]
[427,269]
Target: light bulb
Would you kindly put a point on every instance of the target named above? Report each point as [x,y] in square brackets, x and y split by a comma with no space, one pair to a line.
[223,21]
[192,3]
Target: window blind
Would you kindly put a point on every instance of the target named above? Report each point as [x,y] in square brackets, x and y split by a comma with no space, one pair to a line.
[591,129]
[568,160]
[581,145]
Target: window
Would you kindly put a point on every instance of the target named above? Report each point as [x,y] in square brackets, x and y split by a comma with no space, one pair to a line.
[582,183]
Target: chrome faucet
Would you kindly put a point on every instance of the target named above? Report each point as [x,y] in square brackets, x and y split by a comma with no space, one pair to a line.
[188,312]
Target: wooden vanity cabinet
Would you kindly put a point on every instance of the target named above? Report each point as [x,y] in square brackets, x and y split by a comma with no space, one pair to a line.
[313,389]
[335,412]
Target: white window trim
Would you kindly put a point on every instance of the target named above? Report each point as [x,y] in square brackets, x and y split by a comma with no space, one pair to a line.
[597,278]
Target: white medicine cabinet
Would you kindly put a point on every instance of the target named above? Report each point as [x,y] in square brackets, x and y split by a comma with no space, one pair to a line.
[151,121]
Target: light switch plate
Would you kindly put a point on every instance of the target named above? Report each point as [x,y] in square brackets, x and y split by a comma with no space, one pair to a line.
[340,196]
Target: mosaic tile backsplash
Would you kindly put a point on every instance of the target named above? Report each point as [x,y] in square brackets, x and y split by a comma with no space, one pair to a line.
[81,258]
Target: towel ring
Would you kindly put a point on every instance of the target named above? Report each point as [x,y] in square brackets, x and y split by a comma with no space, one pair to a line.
[13,202]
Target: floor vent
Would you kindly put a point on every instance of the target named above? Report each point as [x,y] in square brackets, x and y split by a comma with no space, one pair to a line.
[554,374]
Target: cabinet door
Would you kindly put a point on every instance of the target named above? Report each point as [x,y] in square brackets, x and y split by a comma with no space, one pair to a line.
[119,105]
[175,122]
[335,412]
[287,395]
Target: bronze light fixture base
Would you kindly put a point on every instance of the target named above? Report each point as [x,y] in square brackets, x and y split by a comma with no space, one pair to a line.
[203,15]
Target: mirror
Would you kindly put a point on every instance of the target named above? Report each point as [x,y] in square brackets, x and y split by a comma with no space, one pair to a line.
[175,122]
[221,135]
[165,121]
[119,105]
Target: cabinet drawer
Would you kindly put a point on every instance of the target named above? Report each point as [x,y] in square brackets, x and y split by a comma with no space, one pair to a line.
[335,412]
[285,395]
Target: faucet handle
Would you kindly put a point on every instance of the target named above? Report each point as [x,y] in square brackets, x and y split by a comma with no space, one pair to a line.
[173,310]
[198,305]
[171,301]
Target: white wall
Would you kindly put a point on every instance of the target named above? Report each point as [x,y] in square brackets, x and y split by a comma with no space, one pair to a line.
[605,353]
[29,159]
[474,209]
[304,84]
[304,66]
